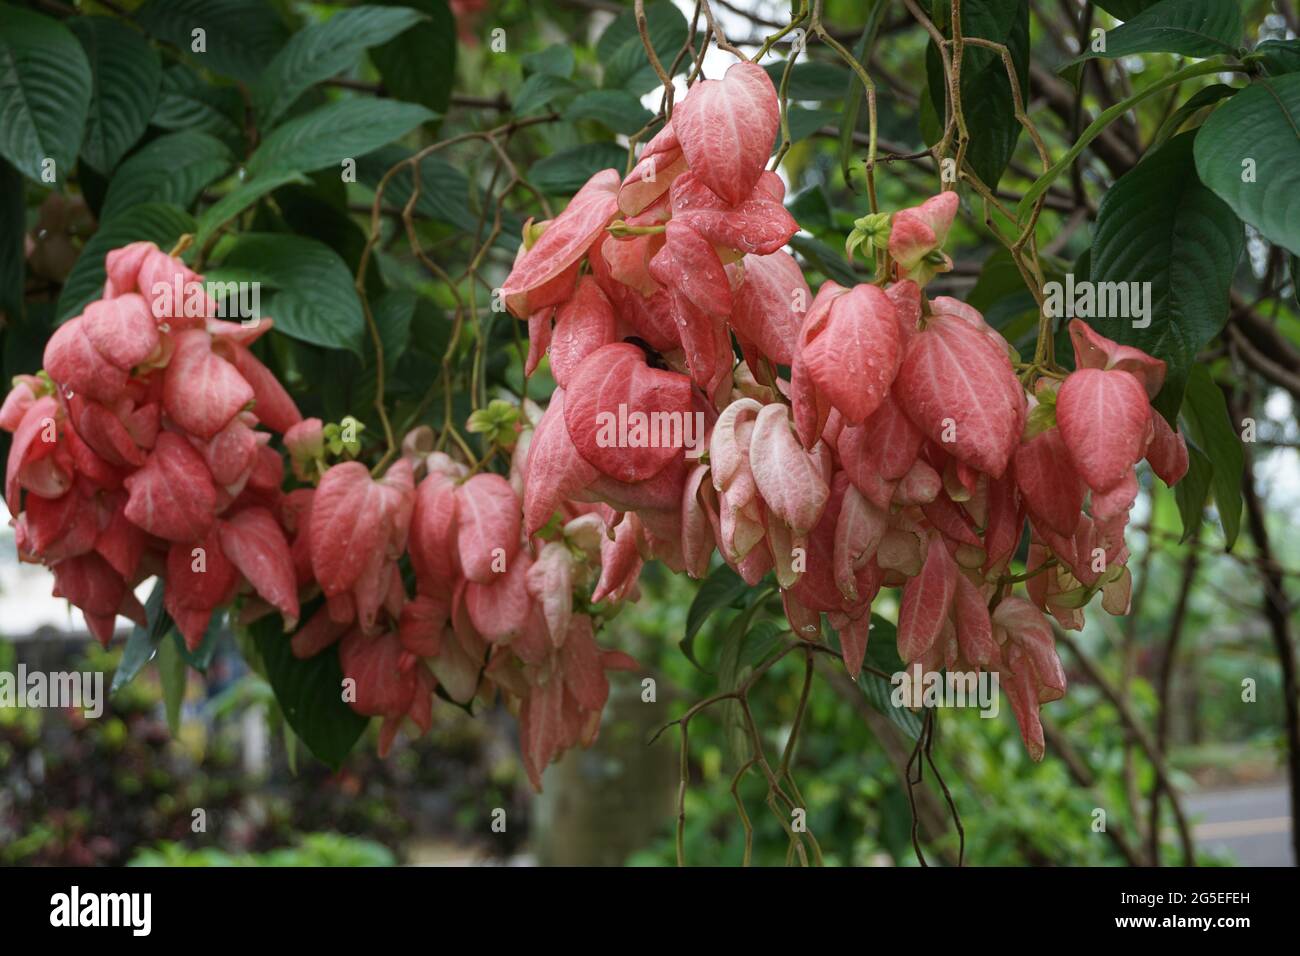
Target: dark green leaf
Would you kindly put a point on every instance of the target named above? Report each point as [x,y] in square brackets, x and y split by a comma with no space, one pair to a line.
[172,169]
[761,641]
[342,130]
[1125,9]
[127,75]
[883,656]
[1205,411]
[45,85]
[239,36]
[142,643]
[13,258]
[811,81]
[237,200]
[617,110]
[314,298]
[1248,152]
[420,65]
[155,222]
[323,50]
[1190,27]
[1280,56]
[201,657]
[172,674]
[555,60]
[1192,492]
[623,55]
[1158,224]
[825,258]
[393,313]
[1202,99]
[986,89]
[540,90]
[444,189]
[856,91]
[804,123]
[310,694]
[720,589]
[186,102]
[566,172]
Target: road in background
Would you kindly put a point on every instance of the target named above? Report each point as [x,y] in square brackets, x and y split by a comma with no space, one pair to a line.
[1251,823]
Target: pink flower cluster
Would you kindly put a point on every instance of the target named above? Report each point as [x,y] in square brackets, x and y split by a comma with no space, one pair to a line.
[137,452]
[899,450]
[493,611]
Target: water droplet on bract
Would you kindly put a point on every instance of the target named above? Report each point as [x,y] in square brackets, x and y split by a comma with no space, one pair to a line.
[164,327]
[67,391]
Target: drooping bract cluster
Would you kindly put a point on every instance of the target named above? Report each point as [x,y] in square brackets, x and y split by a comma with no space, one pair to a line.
[900,449]
[486,616]
[137,452]
[867,438]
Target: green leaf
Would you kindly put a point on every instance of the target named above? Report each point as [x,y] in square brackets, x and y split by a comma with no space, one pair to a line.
[45,85]
[444,189]
[617,110]
[127,75]
[1202,99]
[310,694]
[986,90]
[743,646]
[142,643]
[13,257]
[565,172]
[1158,224]
[539,90]
[555,60]
[1197,28]
[419,66]
[1125,9]
[1001,295]
[314,298]
[720,589]
[623,55]
[237,200]
[323,50]
[825,259]
[1192,492]
[811,80]
[239,36]
[186,102]
[201,657]
[173,168]
[883,656]
[856,91]
[171,674]
[393,313]
[762,640]
[155,222]
[1205,411]
[804,123]
[1280,56]
[337,131]
[1248,152]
